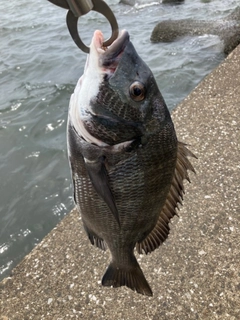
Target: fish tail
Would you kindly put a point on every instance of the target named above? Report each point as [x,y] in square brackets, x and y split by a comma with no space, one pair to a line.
[132,277]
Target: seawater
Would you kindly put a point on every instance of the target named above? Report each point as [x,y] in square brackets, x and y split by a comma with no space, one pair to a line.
[39,67]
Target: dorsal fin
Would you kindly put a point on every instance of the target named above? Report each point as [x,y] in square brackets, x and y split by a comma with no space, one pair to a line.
[175,196]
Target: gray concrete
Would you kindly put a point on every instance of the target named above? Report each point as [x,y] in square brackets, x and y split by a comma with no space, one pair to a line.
[195,274]
[227,29]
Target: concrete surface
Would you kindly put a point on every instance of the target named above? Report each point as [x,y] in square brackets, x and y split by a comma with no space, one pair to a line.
[195,274]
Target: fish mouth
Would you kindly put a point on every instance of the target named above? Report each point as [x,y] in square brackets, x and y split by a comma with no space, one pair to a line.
[109,57]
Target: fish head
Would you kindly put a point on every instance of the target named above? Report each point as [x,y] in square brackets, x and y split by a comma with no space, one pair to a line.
[117,98]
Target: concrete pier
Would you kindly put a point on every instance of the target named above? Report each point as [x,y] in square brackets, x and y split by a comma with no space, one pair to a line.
[195,274]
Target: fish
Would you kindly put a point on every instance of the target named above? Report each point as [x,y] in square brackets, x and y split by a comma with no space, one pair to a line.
[126,162]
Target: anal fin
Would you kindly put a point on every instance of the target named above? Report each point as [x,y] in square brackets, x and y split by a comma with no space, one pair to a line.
[94,239]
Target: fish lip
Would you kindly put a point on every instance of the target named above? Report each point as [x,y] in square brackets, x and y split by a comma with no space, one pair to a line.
[109,57]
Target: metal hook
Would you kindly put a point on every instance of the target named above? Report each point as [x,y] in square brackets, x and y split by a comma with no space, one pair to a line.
[77,8]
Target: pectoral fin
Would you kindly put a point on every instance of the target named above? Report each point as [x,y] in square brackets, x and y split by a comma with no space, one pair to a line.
[99,178]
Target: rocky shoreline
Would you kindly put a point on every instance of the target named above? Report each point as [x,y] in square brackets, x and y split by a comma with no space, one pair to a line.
[227,29]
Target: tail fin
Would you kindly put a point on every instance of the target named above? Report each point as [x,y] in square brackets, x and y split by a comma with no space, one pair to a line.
[133,278]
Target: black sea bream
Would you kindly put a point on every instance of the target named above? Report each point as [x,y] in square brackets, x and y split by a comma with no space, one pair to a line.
[127,165]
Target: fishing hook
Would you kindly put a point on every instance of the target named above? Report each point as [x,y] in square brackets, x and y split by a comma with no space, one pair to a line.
[78,8]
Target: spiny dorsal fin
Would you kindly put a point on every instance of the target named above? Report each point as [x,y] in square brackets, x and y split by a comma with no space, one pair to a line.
[175,196]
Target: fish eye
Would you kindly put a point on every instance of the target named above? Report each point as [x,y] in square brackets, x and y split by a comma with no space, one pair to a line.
[137,91]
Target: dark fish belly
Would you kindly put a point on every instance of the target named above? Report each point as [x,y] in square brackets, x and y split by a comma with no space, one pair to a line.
[140,182]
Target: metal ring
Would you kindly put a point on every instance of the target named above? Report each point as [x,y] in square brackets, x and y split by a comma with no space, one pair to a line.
[101,7]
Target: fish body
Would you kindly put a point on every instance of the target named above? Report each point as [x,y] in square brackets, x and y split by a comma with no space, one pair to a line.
[127,165]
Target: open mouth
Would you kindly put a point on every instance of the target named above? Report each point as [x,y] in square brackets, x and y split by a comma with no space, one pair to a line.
[109,56]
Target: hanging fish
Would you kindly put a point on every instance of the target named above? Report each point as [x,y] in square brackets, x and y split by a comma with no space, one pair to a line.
[127,165]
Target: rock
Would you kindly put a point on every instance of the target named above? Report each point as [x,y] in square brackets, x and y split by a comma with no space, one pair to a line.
[227,29]
[172,1]
[129,2]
